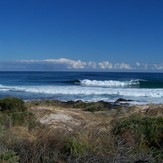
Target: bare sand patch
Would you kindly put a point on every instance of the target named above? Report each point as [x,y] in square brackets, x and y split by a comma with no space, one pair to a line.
[53,118]
[67,118]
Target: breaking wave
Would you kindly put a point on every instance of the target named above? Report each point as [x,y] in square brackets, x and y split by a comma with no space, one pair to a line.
[78,90]
[92,90]
[109,83]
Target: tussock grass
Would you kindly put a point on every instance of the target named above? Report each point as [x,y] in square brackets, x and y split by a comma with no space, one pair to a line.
[104,135]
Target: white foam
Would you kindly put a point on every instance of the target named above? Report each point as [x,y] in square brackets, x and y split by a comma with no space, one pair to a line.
[108,83]
[92,93]
[86,90]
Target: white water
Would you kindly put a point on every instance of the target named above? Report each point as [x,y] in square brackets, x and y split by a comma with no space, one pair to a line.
[108,83]
[89,93]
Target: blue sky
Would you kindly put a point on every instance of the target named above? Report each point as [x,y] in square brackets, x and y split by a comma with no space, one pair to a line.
[112,32]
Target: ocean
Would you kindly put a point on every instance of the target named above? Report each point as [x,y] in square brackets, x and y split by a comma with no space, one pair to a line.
[142,88]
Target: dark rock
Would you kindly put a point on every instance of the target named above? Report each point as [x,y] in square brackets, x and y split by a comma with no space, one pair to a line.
[122,100]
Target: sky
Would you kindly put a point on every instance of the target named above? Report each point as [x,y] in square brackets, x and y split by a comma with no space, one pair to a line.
[107,35]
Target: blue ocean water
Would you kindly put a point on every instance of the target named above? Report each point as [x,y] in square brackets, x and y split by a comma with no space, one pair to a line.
[86,86]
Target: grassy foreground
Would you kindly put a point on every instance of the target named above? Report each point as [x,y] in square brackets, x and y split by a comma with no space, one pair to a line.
[59,132]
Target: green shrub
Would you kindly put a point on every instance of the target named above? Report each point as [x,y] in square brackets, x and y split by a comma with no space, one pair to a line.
[146,131]
[5,120]
[12,104]
[10,119]
[9,156]
[76,147]
[22,118]
[13,112]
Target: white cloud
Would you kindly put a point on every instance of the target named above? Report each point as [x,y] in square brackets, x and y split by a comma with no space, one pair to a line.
[68,64]
[148,66]
[105,65]
[138,64]
[142,66]
[28,61]
[158,66]
[122,66]
[92,65]
[62,61]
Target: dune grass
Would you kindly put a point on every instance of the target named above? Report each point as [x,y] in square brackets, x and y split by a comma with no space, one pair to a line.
[116,138]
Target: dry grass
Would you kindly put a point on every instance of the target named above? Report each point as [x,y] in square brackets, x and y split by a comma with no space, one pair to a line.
[65,134]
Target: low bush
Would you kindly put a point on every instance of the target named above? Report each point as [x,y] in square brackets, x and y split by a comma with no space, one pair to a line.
[5,120]
[9,156]
[22,118]
[14,112]
[76,147]
[12,104]
[141,130]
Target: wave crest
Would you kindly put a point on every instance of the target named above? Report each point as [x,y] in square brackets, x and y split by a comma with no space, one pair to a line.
[109,83]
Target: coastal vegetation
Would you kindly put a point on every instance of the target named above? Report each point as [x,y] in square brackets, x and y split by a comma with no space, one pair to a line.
[49,131]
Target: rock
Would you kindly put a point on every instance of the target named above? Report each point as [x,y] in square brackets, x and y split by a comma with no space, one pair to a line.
[122,100]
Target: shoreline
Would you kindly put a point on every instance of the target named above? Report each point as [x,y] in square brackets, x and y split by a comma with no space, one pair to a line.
[118,102]
[121,105]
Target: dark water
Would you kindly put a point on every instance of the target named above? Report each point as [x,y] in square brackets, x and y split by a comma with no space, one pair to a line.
[87,86]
